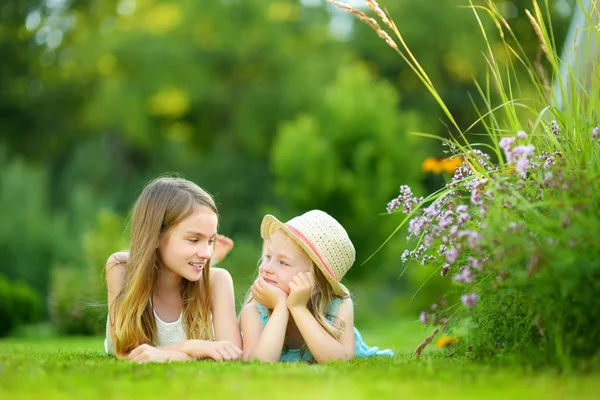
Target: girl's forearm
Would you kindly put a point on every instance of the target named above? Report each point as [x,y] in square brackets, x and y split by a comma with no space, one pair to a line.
[322,345]
[270,343]
[174,355]
[193,348]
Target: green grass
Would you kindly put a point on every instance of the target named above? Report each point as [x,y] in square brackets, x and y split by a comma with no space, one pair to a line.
[68,367]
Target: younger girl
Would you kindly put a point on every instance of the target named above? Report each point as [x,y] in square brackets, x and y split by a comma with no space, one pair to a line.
[297,309]
[165,302]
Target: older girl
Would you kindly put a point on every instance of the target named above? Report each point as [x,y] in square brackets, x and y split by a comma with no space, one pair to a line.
[165,301]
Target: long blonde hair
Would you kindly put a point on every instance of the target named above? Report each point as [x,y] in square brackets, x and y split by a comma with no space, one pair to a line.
[163,203]
[318,305]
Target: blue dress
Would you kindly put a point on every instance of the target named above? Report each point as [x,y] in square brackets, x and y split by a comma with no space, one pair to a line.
[361,350]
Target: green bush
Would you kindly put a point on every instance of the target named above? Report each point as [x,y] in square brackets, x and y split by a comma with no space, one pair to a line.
[29,232]
[517,228]
[78,298]
[19,304]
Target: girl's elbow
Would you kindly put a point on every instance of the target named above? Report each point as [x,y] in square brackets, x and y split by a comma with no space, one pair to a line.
[257,357]
[335,357]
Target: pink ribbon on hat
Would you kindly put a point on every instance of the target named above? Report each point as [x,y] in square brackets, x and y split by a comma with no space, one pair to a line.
[312,247]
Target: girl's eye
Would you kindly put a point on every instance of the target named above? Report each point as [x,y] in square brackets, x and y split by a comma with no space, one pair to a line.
[211,241]
[283,263]
[193,240]
[267,257]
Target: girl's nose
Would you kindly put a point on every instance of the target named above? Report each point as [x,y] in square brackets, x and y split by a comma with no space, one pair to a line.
[205,251]
[266,266]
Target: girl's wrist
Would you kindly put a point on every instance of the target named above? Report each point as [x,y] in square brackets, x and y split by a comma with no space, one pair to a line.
[298,308]
[282,307]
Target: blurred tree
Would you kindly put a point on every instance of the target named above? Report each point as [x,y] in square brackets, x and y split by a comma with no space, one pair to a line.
[96,98]
[347,155]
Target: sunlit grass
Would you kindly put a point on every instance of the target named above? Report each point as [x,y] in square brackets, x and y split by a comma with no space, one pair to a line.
[75,367]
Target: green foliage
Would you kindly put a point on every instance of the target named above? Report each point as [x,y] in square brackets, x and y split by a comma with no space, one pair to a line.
[31,237]
[520,236]
[19,304]
[347,153]
[78,298]
[204,89]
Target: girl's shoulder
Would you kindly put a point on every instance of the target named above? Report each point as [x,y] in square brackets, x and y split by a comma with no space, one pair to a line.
[119,258]
[115,270]
[340,306]
[220,279]
[253,311]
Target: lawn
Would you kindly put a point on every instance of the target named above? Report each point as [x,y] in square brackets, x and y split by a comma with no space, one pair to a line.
[67,367]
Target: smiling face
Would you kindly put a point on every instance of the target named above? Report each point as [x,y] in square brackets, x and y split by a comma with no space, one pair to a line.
[282,260]
[187,247]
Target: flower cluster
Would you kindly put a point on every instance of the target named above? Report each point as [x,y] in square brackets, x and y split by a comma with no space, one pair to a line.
[451,230]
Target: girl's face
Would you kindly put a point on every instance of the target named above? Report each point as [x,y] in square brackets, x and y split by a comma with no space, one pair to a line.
[282,259]
[186,248]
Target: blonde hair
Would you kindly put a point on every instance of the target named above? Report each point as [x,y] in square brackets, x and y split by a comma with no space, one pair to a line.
[318,305]
[163,203]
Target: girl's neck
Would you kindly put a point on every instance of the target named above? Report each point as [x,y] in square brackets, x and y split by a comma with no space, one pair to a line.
[168,284]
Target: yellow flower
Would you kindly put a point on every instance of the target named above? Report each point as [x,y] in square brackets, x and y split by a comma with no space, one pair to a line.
[432,164]
[437,165]
[445,341]
[450,164]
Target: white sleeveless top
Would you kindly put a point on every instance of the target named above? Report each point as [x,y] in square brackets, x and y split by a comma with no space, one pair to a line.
[166,333]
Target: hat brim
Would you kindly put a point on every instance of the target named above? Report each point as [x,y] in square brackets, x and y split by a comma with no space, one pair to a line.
[270,224]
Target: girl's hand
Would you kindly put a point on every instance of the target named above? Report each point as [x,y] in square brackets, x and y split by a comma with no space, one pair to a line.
[221,350]
[223,246]
[267,294]
[146,353]
[301,288]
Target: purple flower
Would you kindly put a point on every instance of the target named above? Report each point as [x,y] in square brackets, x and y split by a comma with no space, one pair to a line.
[406,255]
[442,249]
[473,238]
[475,263]
[521,135]
[555,128]
[445,270]
[522,166]
[464,276]
[462,209]
[469,299]
[428,240]
[424,318]
[404,201]
[453,230]
[416,225]
[596,133]
[451,255]
[506,145]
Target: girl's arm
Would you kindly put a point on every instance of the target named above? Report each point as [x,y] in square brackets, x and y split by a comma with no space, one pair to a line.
[321,344]
[115,276]
[266,343]
[223,307]
[228,341]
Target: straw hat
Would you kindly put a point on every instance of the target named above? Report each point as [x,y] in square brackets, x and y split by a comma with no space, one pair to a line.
[324,240]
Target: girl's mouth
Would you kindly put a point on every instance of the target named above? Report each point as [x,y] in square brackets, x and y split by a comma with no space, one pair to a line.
[270,281]
[198,267]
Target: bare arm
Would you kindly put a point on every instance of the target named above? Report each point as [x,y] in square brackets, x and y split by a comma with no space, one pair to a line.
[115,276]
[321,344]
[266,343]
[228,341]
[223,307]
